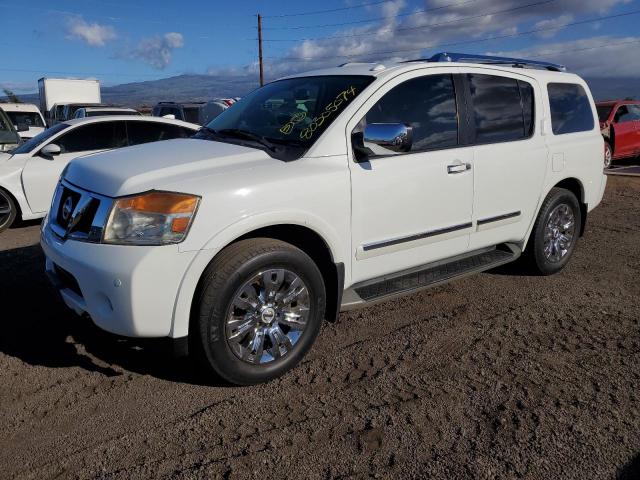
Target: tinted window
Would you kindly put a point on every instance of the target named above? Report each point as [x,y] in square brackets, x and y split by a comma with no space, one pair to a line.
[627,113]
[498,108]
[145,132]
[427,104]
[570,108]
[95,136]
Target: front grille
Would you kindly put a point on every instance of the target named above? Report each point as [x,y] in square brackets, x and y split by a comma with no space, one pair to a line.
[78,214]
[67,280]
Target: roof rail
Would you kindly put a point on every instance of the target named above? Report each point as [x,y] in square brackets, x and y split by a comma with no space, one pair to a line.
[486,59]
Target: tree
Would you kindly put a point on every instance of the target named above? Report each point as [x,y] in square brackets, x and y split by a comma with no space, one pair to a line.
[628,99]
[12,97]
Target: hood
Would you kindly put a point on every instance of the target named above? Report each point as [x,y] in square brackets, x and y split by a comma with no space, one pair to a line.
[4,156]
[157,165]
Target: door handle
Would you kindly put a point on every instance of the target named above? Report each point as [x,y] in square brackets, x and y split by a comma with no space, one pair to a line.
[458,168]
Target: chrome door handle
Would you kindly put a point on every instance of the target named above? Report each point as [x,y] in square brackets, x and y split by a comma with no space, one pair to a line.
[458,168]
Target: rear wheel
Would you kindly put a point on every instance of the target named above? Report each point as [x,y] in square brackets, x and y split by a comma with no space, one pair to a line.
[608,155]
[260,309]
[7,210]
[555,232]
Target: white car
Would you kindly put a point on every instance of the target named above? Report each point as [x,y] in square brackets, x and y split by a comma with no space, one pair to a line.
[104,111]
[30,172]
[322,192]
[26,117]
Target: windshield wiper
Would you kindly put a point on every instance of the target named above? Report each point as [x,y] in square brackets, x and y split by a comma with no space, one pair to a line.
[238,133]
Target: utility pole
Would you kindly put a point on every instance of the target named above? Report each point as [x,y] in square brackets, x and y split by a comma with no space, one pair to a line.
[260,49]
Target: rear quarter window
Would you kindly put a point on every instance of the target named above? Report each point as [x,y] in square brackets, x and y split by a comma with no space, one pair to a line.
[570,109]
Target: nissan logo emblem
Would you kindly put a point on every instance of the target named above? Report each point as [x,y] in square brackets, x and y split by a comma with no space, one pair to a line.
[67,209]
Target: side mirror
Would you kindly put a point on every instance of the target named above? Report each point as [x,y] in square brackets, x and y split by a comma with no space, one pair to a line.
[50,150]
[169,116]
[22,127]
[382,139]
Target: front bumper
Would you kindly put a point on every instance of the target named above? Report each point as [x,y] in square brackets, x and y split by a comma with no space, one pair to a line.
[127,290]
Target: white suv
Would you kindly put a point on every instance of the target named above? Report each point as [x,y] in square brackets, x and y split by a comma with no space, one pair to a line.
[324,192]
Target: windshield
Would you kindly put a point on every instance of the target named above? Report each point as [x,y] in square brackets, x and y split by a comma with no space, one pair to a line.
[603,112]
[26,147]
[287,116]
[30,119]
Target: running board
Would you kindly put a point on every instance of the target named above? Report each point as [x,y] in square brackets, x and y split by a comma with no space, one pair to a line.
[426,276]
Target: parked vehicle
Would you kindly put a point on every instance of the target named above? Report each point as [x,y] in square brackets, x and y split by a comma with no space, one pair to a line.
[29,174]
[322,192]
[104,111]
[55,93]
[620,126]
[195,112]
[26,118]
[70,109]
[9,137]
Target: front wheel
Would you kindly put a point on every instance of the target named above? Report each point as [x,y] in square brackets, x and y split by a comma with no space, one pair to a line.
[555,232]
[7,210]
[260,309]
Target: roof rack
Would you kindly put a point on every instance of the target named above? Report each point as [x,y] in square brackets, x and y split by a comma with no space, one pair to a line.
[490,60]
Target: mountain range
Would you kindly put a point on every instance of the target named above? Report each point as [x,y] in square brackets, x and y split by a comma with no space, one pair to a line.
[191,87]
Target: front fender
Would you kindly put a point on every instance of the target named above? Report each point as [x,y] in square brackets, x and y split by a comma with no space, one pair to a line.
[226,236]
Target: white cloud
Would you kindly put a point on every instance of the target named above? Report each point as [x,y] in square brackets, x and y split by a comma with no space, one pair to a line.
[93,34]
[409,36]
[616,56]
[551,26]
[157,51]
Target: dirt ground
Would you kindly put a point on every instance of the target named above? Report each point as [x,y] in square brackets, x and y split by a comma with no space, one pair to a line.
[496,376]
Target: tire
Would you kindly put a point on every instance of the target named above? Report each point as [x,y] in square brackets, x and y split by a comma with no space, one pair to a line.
[8,210]
[608,155]
[235,326]
[547,252]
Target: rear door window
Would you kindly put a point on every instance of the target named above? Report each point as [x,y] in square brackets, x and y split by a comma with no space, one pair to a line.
[95,136]
[570,109]
[503,108]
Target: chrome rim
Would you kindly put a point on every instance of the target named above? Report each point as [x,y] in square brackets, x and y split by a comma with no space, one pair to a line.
[5,210]
[559,233]
[267,316]
[607,156]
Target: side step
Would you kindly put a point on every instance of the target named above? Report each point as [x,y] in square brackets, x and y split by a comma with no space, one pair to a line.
[430,275]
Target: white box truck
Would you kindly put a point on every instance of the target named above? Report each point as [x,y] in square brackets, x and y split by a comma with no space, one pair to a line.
[55,93]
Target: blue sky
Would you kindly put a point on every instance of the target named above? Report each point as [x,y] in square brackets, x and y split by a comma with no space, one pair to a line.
[121,41]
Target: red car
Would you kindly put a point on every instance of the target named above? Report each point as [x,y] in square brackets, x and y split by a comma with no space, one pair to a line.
[620,125]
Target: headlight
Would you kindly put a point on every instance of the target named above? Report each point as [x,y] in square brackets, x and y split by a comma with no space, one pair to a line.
[154,218]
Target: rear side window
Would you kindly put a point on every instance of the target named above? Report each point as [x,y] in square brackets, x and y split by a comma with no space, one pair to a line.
[145,132]
[503,108]
[428,105]
[570,109]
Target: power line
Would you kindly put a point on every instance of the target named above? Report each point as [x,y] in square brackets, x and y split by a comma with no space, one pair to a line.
[371,20]
[404,29]
[332,10]
[467,42]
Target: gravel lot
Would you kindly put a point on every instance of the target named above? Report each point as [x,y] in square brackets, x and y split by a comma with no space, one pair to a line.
[496,376]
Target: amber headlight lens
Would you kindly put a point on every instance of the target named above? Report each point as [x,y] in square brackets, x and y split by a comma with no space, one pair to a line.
[154,218]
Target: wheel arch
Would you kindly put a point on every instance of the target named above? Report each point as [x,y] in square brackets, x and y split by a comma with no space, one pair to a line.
[575,186]
[305,238]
